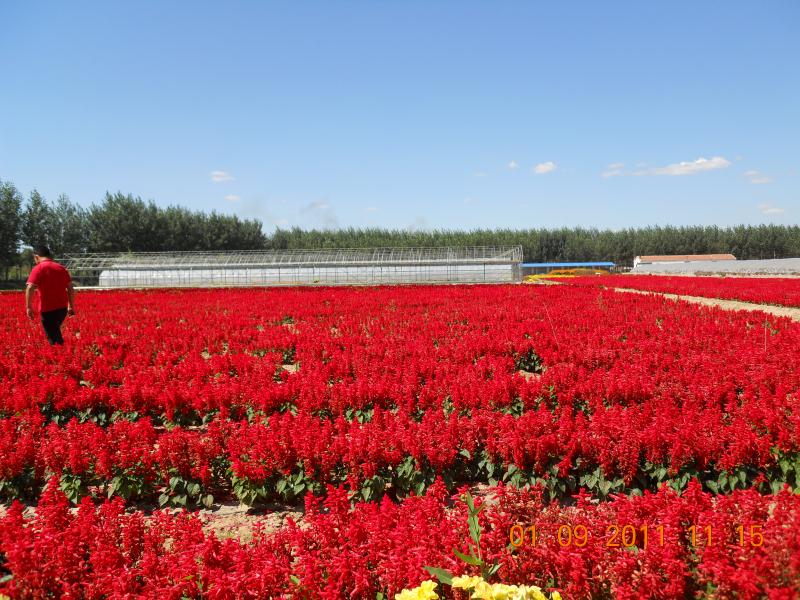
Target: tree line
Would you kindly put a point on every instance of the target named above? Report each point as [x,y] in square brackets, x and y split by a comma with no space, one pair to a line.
[124,223]
[569,244]
[119,223]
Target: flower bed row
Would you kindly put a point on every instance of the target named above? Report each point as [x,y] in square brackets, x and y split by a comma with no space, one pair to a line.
[569,387]
[342,352]
[743,545]
[288,455]
[781,291]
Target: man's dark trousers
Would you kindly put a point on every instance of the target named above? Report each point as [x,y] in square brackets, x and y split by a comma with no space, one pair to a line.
[51,321]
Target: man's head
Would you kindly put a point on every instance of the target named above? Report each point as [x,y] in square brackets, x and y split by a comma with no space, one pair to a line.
[40,252]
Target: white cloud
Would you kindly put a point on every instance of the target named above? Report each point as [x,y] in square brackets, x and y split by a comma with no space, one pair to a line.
[513,164]
[371,209]
[480,174]
[220,176]
[545,167]
[232,198]
[469,200]
[614,170]
[767,209]
[757,177]
[688,167]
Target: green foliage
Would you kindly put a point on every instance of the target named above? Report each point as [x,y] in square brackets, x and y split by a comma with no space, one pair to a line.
[74,486]
[566,244]
[362,415]
[184,493]
[289,355]
[21,486]
[528,361]
[284,488]
[10,223]
[127,224]
[122,222]
[60,225]
[474,557]
[409,478]
[37,221]
[128,484]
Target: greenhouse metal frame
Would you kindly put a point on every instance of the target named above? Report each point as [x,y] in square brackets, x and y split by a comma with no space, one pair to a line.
[350,266]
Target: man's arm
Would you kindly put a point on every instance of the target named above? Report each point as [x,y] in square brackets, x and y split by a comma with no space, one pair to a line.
[29,289]
[70,299]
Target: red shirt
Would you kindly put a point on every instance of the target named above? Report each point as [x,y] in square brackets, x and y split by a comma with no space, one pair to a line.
[51,279]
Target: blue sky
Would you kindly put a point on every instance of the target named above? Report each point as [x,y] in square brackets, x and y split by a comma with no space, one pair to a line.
[410,114]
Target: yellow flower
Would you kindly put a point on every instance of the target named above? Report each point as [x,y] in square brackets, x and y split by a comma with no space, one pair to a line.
[423,592]
[466,582]
[532,593]
[480,590]
[498,591]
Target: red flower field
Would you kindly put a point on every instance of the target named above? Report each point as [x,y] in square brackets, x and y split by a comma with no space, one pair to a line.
[781,291]
[374,407]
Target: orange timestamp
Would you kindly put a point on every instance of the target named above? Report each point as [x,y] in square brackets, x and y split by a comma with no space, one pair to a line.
[619,535]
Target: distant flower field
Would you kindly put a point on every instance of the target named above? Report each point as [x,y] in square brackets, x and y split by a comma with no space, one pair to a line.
[623,446]
[780,291]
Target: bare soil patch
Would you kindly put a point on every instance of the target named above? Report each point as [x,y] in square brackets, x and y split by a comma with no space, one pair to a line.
[226,520]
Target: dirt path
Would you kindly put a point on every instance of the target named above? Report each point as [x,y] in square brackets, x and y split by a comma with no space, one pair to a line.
[778,311]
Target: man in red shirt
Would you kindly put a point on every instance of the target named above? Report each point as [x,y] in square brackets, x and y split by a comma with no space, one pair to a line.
[56,294]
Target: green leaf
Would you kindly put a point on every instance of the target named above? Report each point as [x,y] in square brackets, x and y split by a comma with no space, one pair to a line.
[470,560]
[208,500]
[442,575]
[474,529]
[470,503]
[465,453]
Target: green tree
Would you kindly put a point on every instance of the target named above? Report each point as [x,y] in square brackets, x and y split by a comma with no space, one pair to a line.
[10,225]
[37,221]
[122,223]
[69,232]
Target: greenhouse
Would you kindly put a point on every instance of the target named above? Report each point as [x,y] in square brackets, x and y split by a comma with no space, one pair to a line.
[364,266]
